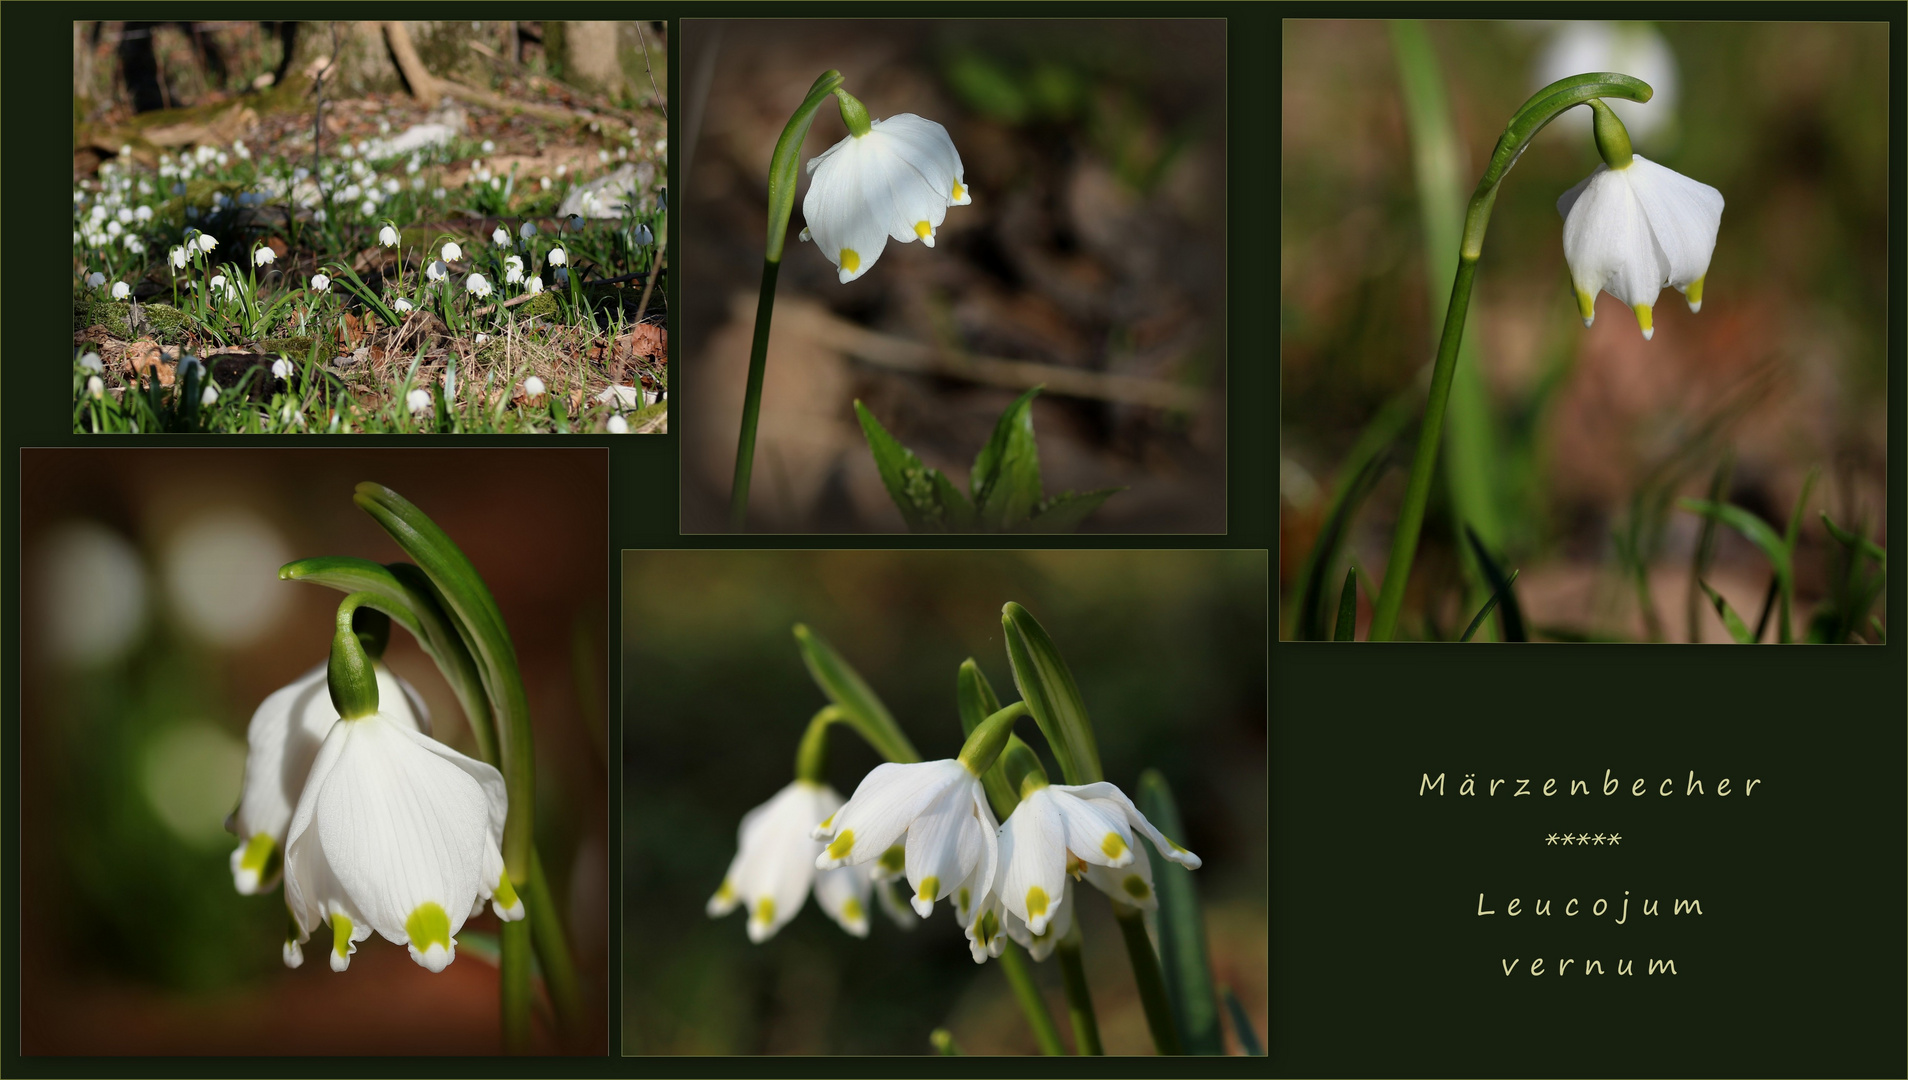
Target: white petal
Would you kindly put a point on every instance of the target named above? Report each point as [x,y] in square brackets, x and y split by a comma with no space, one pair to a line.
[1033,856]
[835,208]
[926,147]
[944,844]
[1096,830]
[1040,945]
[1112,797]
[1684,216]
[774,863]
[884,804]
[1131,885]
[843,893]
[1608,244]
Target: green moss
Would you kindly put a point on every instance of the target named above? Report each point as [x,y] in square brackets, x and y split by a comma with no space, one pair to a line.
[164,322]
[544,303]
[291,348]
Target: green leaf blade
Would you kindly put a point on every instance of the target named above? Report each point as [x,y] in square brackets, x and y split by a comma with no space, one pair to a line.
[1005,479]
[1046,684]
[1182,929]
[858,702]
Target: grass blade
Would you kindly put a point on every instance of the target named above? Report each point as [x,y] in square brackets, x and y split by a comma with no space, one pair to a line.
[1764,537]
[1005,480]
[1182,930]
[908,481]
[1485,611]
[1242,1026]
[1348,607]
[1854,542]
[1731,621]
[1513,615]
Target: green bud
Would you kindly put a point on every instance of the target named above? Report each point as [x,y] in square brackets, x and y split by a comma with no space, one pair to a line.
[853,113]
[352,679]
[990,737]
[1613,139]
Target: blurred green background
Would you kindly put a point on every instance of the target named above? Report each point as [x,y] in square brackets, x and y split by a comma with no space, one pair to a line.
[153,624]
[1567,447]
[1169,649]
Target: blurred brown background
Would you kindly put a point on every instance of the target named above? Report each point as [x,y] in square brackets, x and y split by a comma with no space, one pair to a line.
[153,624]
[1095,243]
[1590,435]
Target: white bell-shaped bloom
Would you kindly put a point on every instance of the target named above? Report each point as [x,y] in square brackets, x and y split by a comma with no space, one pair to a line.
[281,743]
[942,811]
[1055,826]
[121,290]
[263,256]
[477,285]
[558,256]
[774,866]
[529,228]
[207,243]
[320,283]
[437,271]
[513,270]
[282,368]
[419,400]
[501,237]
[400,304]
[388,236]
[178,258]
[95,279]
[533,387]
[897,181]
[451,252]
[533,286]
[1633,230]
[398,833]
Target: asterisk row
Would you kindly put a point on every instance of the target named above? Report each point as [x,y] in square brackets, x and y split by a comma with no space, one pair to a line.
[1584,839]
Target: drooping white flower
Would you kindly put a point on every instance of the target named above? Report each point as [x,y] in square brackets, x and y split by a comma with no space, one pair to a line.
[513,270]
[207,243]
[388,236]
[1633,230]
[533,388]
[643,236]
[281,744]
[482,338]
[451,252]
[91,362]
[529,228]
[400,304]
[558,257]
[437,271]
[398,833]
[178,258]
[282,368]
[501,237]
[617,425]
[941,810]
[895,182]
[1058,825]
[774,866]
[95,279]
[419,400]
[320,283]
[209,399]
[534,285]
[121,290]
[217,285]
[95,386]
[264,256]
[476,285]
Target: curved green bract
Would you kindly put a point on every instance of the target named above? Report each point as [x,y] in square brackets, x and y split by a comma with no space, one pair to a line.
[1051,695]
[975,698]
[473,611]
[404,593]
[861,709]
[788,151]
[989,738]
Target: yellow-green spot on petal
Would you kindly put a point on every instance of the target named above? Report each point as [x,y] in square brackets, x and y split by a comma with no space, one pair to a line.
[894,859]
[259,854]
[989,927]
[1643,321]
[765,911]
[850,261]
[506,893]
[1113,845]
[726,891]
[341,934]
[959,191]
[1036,902]
[964,897]
[930,887]
[1587,306]
[827,825]
[923,230]
[1136,887]
[427,926]
[843,844]
[851,910]
[1176,847]
[1695,294]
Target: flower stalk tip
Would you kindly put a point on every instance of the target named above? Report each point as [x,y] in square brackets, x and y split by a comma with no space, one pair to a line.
[352,680]
[1613,139]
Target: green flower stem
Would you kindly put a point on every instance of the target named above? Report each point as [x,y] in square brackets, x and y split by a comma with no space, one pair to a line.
[1543,107]
[1152,986]
[783,174]
[861,709]
[1020,976]
[811,758]
[1086,1028]
[983,747]
[553,948]
[349,675]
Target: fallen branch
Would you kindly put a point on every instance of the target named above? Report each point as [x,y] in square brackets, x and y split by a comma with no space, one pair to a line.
[424,85]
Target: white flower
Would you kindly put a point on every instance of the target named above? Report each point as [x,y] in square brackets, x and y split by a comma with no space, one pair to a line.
[476,284]
[207,243]
[774,866]
[544,183]
[513,270]
[388,236]
[418,400]
[368,207]
[319,216]
[451,252]
[529,228]
[941,810]
[1056,826]
[481,338]
[534,285]
[264,256]
[121,290]
[437,271]
[209,399]
[558,257]
[617,425]
[218,284]
[91,362]
[643,236]
[281,744]
[179,258]
[488,146]
[320,283]
[897,181]
[95,279]
[282,368]
[533,387]
[400,304]
[501,237]
[95,386]
[1633,230]
[398,833]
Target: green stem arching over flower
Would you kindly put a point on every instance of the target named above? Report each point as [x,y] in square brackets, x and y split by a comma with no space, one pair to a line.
[1542,107]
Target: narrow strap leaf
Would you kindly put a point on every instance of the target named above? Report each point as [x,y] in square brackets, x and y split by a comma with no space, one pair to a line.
[1348,607]
[1242,1025]
[1854,542]
[1047,686]
[1005,480]
[1513,615]
[909,482]
[1485,611]
[1731,621]
[1182,928]
[859,704]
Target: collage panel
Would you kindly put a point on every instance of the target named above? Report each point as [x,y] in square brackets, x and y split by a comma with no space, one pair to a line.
[1668,413]
[992,292]
[315,752]
[408,227]
[1026,792]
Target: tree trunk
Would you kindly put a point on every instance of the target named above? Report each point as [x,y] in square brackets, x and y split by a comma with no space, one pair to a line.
[591,59]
